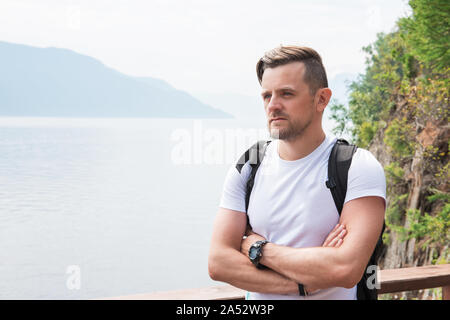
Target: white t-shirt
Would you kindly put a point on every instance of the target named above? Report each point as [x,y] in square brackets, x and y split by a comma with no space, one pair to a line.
[290,204]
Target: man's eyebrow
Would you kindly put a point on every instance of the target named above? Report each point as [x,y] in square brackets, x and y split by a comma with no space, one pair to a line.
[279,89]
[286,88]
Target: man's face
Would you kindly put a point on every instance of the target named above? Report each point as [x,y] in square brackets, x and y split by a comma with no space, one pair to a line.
[287,96]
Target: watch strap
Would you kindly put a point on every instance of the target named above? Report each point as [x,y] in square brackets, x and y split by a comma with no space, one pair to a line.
[259,244]
[302,290]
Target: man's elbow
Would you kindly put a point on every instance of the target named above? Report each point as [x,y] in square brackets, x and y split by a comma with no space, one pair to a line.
[222,265]
[213,272]
[350,275]
[214,269]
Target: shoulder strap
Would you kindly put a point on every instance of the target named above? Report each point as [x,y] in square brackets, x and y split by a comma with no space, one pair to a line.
[255,155]
[338,165]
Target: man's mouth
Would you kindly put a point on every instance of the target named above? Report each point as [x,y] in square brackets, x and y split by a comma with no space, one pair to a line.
[276,119]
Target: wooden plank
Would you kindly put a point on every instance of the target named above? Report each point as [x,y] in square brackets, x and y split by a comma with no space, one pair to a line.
[407,279]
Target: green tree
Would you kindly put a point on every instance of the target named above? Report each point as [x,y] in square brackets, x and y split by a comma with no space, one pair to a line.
[427,32]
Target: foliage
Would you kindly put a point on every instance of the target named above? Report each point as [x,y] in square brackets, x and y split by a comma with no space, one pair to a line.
[399,137]
[394,173]
[411,63]
[427,32]
[436,229]
[394,212]
[372,95]
[401,103]
[339,113]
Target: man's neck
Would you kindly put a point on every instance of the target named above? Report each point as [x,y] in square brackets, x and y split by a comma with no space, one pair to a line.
[302,146]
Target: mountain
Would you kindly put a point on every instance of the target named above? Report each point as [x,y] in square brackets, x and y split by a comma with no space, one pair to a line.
[60,82]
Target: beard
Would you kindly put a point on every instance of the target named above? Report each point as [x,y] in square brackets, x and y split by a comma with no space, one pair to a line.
[289,130]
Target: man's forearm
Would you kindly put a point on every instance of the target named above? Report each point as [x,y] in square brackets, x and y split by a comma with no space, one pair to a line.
[318,267]
[233,267]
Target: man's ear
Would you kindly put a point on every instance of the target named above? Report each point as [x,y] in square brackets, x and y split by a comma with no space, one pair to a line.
[322,98]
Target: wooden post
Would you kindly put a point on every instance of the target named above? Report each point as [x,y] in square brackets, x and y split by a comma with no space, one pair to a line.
[446,293]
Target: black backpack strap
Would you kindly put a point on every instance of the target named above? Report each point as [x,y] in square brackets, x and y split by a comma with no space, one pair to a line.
[338,165]
[255,155]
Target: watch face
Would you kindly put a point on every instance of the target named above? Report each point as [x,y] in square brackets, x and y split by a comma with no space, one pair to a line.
[253,253]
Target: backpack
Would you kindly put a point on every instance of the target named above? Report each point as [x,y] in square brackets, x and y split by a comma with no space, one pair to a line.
[338,165]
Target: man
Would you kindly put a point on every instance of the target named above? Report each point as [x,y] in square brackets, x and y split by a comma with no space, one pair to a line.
[290,205]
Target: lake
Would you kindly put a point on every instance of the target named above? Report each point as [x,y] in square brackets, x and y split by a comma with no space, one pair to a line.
[95,208]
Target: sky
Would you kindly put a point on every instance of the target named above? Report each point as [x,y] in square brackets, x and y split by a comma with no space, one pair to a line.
[201,45]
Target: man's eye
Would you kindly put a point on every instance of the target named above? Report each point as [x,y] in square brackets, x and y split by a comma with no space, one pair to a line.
[287,94]
[267,96]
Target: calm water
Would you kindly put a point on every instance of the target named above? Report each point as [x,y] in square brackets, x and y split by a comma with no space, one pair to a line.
[113,199]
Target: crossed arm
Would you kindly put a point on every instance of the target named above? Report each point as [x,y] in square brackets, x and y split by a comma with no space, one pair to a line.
[341,265]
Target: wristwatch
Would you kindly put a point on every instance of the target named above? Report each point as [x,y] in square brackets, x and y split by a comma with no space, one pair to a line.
[255,252]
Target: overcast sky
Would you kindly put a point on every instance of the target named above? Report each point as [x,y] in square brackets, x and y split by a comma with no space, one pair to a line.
[203,45]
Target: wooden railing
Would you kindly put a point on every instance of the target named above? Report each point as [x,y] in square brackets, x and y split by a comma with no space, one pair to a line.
[391,280]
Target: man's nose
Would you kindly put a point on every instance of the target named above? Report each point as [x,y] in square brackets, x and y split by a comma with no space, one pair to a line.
[273,105]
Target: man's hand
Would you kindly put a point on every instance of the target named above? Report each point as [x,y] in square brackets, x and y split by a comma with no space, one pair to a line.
[336,236]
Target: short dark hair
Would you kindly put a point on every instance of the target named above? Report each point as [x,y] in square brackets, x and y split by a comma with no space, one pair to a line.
[315,75]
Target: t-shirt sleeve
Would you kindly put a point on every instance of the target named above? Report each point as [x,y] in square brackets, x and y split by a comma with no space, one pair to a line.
[365,177]
[233,194]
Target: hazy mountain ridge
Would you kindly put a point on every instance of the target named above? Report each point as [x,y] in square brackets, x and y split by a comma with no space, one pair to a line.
[60,82]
